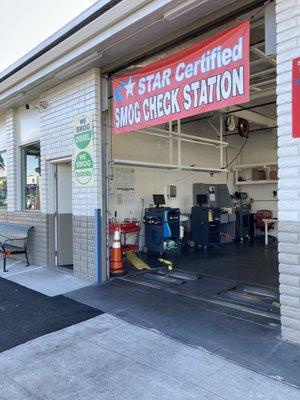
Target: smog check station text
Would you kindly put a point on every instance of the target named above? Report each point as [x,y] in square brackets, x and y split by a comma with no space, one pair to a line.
[185,84]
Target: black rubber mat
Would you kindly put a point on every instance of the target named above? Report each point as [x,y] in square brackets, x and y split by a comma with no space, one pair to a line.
[26,314]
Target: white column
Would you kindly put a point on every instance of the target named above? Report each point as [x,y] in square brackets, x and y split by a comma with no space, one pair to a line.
[13,167]
[288,40]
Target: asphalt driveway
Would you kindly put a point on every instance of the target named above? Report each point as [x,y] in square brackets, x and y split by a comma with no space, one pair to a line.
[26,314]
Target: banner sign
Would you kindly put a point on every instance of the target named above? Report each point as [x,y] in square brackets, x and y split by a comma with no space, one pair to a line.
[296,97]
[210,75]
[83,149]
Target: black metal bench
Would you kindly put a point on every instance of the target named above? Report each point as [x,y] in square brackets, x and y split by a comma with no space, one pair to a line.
[13,240]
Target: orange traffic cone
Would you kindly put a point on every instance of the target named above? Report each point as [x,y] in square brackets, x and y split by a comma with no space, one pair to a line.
[115,263]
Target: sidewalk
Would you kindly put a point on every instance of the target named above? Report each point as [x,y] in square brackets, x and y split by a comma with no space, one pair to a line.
[46,280]
[107,358]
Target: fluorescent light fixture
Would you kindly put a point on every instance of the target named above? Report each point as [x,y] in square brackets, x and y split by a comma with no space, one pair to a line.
[183,8]
[84,62]
[12,100]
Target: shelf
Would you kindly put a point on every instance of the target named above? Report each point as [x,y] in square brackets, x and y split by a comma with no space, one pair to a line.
[145,164]
[249,166]
[266,182]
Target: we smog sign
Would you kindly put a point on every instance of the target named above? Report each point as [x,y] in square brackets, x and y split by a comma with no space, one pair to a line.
[83,149]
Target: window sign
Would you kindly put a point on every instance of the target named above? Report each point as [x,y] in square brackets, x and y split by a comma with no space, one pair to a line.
[83,149]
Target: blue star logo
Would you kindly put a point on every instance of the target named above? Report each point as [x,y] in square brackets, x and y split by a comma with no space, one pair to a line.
[128,85]
[117,93]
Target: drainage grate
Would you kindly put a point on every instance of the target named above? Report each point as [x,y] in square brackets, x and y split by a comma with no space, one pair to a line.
[253,296]
[260,291]
[160,277]
[176,277]
[250,299]
[187,276]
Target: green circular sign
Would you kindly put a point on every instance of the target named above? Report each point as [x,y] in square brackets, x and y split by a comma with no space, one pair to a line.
[83,139]
[83,167]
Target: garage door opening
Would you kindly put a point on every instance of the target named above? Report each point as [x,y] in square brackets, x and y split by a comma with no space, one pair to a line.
[202,192]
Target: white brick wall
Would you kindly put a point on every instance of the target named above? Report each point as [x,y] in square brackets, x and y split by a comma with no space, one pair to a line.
[79,94]
[288,47]
[38,245]
[76,95]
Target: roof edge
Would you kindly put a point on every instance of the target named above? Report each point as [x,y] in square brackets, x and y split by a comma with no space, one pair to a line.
[83,19]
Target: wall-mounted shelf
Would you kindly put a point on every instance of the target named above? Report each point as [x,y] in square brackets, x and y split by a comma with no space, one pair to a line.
[145,164]
[263,165]
[245,171]
[263,182]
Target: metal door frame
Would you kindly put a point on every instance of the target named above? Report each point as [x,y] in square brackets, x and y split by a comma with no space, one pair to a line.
[102,256]
[54,184]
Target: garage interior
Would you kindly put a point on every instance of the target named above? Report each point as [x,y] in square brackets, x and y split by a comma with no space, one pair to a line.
[192,304]
[217,170]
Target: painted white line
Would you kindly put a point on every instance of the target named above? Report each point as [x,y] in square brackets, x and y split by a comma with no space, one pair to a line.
[8,275]
[14,263]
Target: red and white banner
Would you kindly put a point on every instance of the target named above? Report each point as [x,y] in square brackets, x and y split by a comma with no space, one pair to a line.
[208,76]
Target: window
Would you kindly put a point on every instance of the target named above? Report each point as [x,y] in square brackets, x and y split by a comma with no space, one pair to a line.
[3,180]
[31,156]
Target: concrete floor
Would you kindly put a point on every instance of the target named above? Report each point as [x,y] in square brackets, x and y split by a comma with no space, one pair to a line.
[249,262]
[106,358]
[49,281]
[251,340]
